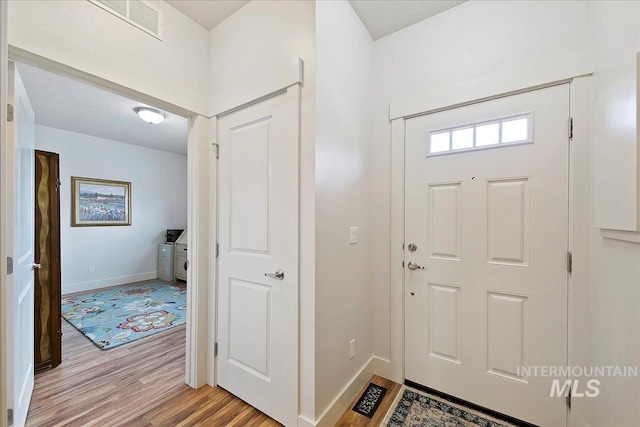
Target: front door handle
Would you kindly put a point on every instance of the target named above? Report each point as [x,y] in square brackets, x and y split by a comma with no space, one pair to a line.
[279,274]
[413,266]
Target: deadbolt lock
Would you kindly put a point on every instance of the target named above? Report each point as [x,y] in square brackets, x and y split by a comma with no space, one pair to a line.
[412,247]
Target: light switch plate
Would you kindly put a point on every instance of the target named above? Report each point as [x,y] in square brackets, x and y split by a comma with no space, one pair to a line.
[353,235]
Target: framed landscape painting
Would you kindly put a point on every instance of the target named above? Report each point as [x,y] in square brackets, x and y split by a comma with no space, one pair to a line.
[97,202]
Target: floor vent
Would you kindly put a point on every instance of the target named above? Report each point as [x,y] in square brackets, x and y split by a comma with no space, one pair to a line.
[136,12]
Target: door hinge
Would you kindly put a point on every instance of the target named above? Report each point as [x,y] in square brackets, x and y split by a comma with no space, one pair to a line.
[9,112]
[186,265]
[216,147]
[215,349]
[217,249]
[58,184]
[568,399]
[9,417]
[9,265]
[59,333]
[571,128]
[569,262]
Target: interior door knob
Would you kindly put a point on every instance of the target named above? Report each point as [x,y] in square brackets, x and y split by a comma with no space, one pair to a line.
[413,266]
[36,266]
[277,275]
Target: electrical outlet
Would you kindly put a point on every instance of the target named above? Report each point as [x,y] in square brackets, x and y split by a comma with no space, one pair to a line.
[352,349]
[353,235]
[92,270]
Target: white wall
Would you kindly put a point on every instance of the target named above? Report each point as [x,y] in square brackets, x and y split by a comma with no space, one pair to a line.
[258,37]
[247,50]
[617,152]
[158,202]
[615,285]
[344,69]
[84,36]
[615,338]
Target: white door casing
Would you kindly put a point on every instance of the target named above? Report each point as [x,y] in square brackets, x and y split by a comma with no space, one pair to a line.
[4,244]
[20,181]
[491,230]
[258,234]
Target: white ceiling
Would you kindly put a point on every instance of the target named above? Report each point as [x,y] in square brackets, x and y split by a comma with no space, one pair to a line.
[66,104]
[380,17]
[208,13]
[383,17]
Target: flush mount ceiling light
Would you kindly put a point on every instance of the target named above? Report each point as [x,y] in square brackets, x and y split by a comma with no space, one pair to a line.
[149,115]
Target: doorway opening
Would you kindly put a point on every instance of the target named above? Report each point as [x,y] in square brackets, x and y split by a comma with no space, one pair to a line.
[98,136]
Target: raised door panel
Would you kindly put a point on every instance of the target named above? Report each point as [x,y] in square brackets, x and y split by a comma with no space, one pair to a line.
[249,151]
[444,221]
[508,221]
[249,336]
[507,335]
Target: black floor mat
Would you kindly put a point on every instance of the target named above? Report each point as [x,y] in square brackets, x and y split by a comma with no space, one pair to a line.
[368,403]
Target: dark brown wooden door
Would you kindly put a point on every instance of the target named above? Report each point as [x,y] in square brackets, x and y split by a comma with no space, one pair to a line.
[48,330]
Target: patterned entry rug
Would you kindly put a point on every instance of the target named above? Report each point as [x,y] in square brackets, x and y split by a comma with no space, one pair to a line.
[413,408]
[117,316]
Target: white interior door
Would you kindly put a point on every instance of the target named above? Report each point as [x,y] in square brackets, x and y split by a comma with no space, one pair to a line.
[258,236]
[19,162]
[486,194]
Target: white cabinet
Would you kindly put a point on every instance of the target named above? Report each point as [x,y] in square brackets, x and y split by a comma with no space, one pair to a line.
[180,261]
[165,261]
[180,257]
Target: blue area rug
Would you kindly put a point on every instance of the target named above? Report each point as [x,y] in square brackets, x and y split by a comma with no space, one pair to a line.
[117,316]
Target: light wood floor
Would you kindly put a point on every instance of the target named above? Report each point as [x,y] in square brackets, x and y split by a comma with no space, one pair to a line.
[138,384]
[142,384]
[354,419]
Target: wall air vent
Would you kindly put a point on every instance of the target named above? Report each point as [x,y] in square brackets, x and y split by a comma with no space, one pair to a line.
[136,12]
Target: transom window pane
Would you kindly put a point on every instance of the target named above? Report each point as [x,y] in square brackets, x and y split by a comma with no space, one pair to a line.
[439,142]
[498,132]
[487,135]
[514,130]
[462,138]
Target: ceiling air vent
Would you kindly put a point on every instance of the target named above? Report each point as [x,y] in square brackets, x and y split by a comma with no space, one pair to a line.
[136,12]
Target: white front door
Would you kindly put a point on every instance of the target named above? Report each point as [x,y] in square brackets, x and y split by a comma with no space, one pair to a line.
[486,197]
[19,162]
[258,263]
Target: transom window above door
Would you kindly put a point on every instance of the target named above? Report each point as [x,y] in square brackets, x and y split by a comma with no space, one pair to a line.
[478,136]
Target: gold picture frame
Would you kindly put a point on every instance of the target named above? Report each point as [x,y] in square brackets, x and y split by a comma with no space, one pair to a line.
[100,202]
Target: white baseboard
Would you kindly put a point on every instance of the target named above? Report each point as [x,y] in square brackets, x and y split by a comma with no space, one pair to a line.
[305,422]
[109,281]
[382,367]
[341,403]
